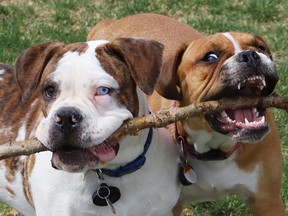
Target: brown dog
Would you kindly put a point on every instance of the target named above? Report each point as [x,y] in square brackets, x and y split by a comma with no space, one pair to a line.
[233,152]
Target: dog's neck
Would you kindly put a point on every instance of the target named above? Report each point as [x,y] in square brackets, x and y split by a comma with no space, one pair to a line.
[133,165]
[204,141]
[130,148]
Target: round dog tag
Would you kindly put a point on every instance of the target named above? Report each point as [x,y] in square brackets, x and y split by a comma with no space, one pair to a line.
[106,193]
[187,175]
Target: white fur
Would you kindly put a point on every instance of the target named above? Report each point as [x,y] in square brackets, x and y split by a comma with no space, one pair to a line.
[236,45]
[79,77]
[23,128]
[211,183]
[217,179]
[21,132]
[205,141]
[233,69]
[17,200]
[1,73]
[152,190]
[231,64]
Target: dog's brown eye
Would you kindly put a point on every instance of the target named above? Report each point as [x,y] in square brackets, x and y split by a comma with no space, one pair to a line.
[50,92]
[261,49]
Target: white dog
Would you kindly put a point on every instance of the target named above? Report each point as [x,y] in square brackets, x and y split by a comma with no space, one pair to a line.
[73,98]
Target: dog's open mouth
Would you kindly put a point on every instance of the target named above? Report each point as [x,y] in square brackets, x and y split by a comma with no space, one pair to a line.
[75,159]
[244,124]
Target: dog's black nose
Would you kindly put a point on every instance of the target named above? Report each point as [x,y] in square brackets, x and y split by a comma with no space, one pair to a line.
[250,57]
[67,119]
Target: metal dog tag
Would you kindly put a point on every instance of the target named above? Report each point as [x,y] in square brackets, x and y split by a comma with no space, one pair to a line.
[187,175]
[106,195]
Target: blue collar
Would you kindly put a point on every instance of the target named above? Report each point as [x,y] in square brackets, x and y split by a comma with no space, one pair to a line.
[133,165]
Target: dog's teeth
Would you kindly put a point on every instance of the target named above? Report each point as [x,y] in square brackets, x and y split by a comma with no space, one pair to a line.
[262,121]
[239,86]
[264,82]
[224,114]
[261,87]
[255,112]
[228,119]
[246,121]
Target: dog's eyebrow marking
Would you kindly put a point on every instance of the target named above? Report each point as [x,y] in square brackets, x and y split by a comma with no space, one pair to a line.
[233,41]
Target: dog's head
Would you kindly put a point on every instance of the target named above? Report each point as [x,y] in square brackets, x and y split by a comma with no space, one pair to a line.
[87,91]
[226,65]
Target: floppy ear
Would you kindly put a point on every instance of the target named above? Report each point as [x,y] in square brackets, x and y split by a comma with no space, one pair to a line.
[30,65]
[168,84]
[143,58]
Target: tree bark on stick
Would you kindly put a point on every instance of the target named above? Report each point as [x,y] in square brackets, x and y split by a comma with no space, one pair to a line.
[158,119]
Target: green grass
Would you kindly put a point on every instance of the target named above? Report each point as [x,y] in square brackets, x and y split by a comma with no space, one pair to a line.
[4,209]
[25,22]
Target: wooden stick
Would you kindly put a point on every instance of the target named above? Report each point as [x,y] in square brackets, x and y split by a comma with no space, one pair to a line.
[158,119]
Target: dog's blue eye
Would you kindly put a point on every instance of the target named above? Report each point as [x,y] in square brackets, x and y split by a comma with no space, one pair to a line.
[210,57]
[102,90]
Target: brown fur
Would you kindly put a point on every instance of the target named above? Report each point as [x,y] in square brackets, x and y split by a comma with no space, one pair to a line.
[118,56]
[181,68]
[14,118]
[151,27]
[132,62]
[26,173]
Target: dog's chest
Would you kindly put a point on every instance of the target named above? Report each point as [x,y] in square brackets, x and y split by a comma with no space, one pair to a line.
[216,179]
[65,193]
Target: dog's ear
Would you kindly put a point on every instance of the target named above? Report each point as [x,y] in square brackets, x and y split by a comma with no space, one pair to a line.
[168,84]
[30,65]
[143,57]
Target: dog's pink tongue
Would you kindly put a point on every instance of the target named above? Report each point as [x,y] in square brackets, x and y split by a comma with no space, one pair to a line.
[105,153]
[90,158]
[240,114]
